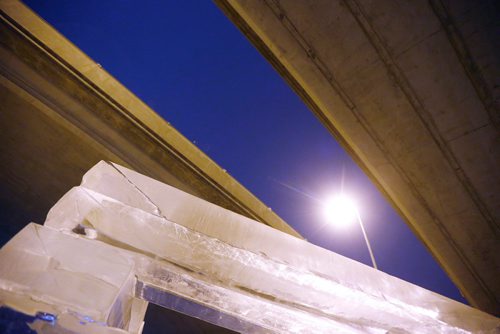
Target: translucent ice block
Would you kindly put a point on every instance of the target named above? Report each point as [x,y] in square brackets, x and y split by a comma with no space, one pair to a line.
[249,273]
[122,239]
[76,280]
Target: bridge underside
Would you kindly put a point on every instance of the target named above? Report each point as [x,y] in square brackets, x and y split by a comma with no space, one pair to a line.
[60,113]
[408,88]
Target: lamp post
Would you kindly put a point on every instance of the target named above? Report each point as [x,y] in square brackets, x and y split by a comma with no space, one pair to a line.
[341,210]
[366,239]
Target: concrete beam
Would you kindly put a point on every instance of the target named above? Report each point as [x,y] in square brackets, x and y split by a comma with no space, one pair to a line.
[61,113]
[395,86]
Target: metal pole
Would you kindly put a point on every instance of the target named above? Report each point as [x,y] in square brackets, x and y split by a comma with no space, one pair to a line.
[366,239]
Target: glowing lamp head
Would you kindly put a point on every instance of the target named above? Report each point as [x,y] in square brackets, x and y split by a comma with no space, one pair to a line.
[340,211]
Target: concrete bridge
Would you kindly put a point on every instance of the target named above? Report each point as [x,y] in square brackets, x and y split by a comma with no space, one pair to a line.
[409,88]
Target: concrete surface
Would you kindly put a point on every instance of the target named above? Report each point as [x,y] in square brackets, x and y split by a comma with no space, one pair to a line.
[61,113]
[410,88]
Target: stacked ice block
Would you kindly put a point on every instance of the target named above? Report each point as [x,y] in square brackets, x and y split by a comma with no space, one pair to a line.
[121,240]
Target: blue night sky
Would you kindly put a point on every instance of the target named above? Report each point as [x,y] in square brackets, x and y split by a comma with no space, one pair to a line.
[188,62]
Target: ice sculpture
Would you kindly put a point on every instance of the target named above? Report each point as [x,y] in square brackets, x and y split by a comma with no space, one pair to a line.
[121,240]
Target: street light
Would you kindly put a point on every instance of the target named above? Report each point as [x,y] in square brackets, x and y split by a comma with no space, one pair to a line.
[341,210]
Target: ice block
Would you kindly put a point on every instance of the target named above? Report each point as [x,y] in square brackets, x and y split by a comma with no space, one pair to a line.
[79,281]
[247,257]
[130,240]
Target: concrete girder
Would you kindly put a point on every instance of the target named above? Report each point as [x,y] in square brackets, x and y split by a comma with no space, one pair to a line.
[61,112]
[409,91]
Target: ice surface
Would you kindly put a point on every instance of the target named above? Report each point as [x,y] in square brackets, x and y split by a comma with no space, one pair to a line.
[205,261]
[42,269]
[245,256]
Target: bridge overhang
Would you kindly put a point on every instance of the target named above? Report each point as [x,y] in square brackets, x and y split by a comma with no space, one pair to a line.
[407,88]
[61,113]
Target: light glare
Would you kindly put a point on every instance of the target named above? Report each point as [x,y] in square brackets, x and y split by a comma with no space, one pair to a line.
[340,211]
